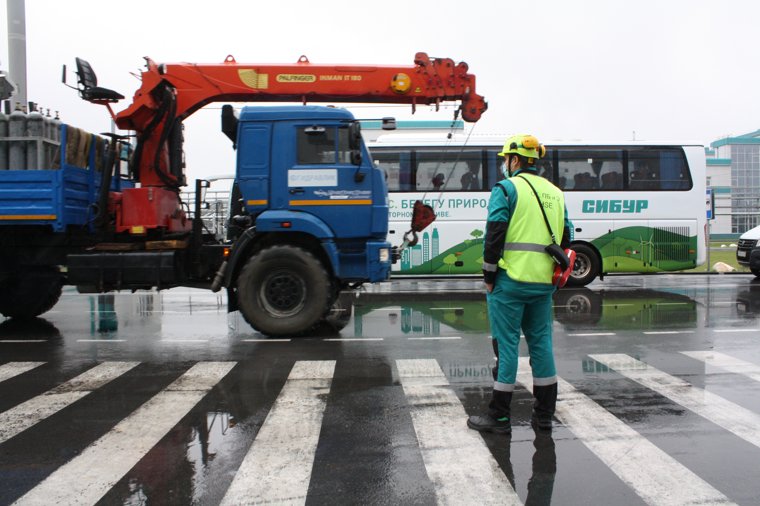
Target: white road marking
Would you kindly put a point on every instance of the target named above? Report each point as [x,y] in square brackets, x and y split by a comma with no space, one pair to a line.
[440,338]
[89,476]
[36,409]
[593,334]
[277,467]
[459,464]
[659,332]
[737,330]
[727,362]
[650,472]
[12,369]
[173,341]
[354,339]
[101,340]
[732,417]
[266,340]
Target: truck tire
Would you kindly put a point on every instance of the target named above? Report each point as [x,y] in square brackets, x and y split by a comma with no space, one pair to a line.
[586,268]
[283,290]
[756,272]
[31,292]
[339,314]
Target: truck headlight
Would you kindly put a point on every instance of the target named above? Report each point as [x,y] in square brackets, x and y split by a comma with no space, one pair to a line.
[385,255]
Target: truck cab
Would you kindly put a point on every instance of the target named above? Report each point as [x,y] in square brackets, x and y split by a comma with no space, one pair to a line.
[311,210]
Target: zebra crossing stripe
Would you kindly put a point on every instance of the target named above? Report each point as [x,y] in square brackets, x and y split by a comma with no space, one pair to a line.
[277,467]
[732,417]
[89,476]
[727,362]
[33,411]
[12,369]
[457,461]
[650,472]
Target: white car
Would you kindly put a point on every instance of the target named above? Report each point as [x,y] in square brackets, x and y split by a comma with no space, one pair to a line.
[748,250]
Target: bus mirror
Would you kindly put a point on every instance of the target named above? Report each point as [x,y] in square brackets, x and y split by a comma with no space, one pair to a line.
[389,124]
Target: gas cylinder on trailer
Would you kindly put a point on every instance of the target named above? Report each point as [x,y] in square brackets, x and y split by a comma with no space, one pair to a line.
[34,131]
[17,148]
[3,142]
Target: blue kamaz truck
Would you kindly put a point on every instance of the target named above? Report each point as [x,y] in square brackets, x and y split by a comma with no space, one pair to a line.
[309,210]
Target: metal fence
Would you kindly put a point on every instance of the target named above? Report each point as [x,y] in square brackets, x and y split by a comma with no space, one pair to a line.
[214,211]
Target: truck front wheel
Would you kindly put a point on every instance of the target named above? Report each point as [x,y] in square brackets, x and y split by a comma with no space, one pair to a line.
[283,290]
[30,292]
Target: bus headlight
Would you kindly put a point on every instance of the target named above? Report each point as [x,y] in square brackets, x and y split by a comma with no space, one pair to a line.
[385,255]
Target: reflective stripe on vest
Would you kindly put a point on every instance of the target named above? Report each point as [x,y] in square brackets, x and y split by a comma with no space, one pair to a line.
[524,257]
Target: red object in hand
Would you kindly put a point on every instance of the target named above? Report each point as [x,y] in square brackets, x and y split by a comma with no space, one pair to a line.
[561,276]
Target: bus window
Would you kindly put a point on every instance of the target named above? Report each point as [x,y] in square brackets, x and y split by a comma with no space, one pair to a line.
[657,169]
[449,170]
[582,169]
[397,165]
[545,166]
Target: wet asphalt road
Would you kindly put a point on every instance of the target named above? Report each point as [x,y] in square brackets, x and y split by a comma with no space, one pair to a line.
[164,398]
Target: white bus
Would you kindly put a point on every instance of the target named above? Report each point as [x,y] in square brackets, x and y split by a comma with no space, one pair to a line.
[635,206]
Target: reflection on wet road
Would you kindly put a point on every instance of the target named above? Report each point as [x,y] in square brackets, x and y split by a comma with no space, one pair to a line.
[164,398]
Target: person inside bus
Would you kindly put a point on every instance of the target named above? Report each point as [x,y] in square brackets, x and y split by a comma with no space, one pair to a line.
[438,181]
[641,177]
[518,272]
[611,179]
[469,179]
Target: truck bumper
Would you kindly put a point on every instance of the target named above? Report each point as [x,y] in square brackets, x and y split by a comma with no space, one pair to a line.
[370,264]
[379,260]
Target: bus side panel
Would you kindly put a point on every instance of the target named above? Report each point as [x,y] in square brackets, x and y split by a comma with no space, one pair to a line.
[453,243]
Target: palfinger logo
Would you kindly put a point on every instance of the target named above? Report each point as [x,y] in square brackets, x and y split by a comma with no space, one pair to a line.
[296,78]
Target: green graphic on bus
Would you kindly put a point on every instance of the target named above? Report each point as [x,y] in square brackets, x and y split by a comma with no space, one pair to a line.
[628,249]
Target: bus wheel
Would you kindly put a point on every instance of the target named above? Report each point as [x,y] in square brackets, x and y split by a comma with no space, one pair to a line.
[586,267]
[30,292]
[283,290]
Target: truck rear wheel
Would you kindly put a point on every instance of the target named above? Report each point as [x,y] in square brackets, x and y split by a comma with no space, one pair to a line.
[30,292]
[283,290]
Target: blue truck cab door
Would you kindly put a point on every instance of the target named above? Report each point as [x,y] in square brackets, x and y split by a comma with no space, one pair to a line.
[254,163]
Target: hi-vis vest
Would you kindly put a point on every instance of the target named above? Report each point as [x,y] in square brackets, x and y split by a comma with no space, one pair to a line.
[524,256]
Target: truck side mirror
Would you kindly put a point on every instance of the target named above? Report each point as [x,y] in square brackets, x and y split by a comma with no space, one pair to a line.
[355,135]
[355,142]
[229,123]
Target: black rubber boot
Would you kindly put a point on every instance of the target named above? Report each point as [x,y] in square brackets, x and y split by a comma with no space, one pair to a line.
[544,406]
[497,419]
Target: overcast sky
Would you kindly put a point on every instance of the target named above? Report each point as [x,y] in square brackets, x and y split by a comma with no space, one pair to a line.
[561,69]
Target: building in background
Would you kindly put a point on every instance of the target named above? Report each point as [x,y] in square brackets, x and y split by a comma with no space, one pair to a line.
[733,172]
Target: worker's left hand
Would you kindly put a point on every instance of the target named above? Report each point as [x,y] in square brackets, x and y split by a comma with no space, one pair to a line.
[489,287]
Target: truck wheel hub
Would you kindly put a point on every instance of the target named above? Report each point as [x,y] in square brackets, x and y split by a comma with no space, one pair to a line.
[283,294]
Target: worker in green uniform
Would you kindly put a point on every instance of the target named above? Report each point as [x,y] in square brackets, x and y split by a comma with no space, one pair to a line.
[517,272]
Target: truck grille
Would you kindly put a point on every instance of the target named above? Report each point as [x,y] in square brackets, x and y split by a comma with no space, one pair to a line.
[747,243]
